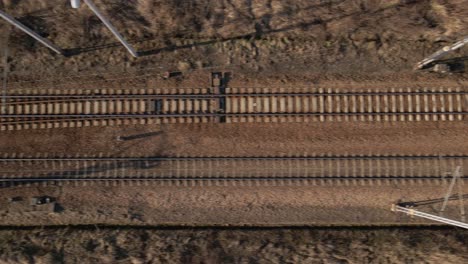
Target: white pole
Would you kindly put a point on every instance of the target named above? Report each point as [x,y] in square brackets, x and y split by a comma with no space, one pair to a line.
[31,33]
[5,69]
[75,3]
[408,211]
[455,176]
[111,28]
[442,52]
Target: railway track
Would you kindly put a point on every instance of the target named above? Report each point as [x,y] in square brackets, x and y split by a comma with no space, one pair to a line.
[373,169]
[76,108]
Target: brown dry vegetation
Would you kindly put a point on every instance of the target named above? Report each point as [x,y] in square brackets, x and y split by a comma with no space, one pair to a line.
[329,41]
[270,38]
[234,246]
[274,42]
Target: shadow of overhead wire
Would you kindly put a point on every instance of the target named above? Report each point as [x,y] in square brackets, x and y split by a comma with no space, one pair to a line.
[112,168]
[260,31]
[262,28]
[456,65]
[118,167]
[139,136]
[431,201]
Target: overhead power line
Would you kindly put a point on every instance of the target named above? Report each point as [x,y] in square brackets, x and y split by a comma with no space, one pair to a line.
[74,4]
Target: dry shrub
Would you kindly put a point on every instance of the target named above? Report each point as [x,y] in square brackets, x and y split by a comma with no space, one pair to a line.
[442,11]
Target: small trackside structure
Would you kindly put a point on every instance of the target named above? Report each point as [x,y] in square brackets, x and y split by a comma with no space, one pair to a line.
[431,61]
[43,204]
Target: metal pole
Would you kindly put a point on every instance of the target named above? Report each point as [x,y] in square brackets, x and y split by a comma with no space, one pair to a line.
[397,208]
[31,33]
[6,67]
[460,199]
[442,52]
[111,28]
[456,174]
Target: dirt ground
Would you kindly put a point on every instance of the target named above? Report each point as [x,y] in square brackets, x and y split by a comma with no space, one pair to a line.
[356,204]
[276,43]
[368,44]
[271,39]
[278,139]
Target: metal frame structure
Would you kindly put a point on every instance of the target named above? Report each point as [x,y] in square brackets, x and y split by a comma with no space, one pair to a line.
[31,33]
[57,49]
[110,27]
[412,212]
[455,179]
[438,54]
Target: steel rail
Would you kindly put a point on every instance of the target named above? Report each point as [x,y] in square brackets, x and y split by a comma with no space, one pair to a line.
[296,178]
[19,99]
[64,174]
[67,118]
[259,94]
[364,157]
[144,115]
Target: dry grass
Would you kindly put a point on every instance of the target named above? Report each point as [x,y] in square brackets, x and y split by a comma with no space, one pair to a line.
[213,33]
[234,246]
[451,24]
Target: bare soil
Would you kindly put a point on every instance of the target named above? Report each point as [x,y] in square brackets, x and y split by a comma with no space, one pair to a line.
[283,40]
[360,204]
[270,139]
[367,44]
[275,43]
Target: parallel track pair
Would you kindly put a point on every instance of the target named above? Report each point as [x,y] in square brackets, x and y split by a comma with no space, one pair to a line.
[77,108]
